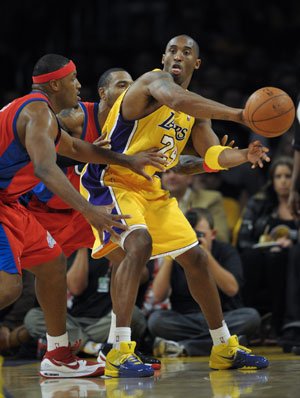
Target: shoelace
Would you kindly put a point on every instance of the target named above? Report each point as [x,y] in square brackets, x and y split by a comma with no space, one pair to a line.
[240,347]
[74,348]
[131,358]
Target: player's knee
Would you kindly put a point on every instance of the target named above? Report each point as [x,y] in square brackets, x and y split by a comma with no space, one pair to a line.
[195,260]
[139,246]
[11,288]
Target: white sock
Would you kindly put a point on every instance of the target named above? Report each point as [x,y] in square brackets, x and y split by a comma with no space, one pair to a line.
[112,330]
[54,342]
[122,334]
[220,335]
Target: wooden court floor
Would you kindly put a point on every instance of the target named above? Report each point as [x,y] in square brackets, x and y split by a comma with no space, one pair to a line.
[178,378]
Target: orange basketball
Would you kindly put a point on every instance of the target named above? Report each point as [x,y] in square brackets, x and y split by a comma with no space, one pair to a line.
[269,112]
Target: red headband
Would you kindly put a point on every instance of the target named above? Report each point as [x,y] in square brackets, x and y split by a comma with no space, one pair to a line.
[57,74]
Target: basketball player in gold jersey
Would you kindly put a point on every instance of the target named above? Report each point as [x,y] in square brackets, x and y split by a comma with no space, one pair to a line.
[158,111]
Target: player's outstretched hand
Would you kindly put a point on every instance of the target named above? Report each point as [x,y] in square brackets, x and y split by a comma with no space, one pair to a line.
[294,204]
[151,157]
[101,218]
[100,141]
[257,154]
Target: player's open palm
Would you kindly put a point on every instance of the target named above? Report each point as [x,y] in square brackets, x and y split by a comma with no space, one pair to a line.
[151,157]
[257,154]
[101,218]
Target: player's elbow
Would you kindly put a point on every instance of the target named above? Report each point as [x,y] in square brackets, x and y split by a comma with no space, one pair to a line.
[177,102]
[40,171]
[232,290]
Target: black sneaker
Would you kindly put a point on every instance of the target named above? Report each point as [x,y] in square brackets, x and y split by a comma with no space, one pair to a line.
[290,338]
[147,360]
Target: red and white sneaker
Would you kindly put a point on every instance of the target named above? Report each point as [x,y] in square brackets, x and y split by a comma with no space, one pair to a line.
[62,363]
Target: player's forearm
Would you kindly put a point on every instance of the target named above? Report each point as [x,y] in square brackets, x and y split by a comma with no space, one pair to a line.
[89,153]
[189,165]
[232,157]
[57,182]
[200,107]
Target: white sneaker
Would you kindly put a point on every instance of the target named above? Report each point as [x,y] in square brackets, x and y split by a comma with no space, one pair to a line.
[61,362]
[103,353]
[167,348]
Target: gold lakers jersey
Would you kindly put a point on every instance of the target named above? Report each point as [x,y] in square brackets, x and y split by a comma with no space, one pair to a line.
[166,129]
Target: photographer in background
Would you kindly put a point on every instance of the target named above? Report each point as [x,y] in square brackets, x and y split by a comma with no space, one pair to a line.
[182,330]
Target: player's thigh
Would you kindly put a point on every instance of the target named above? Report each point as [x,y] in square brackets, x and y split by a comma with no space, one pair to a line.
[170,230]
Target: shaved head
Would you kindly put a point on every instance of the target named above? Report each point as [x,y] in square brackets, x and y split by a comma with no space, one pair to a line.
[193,44]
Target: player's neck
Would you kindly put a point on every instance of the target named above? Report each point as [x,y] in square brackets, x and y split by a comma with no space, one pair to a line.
[103,111]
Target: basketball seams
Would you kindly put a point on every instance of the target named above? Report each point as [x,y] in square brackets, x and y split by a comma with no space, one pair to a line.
[273,117]
[265,102]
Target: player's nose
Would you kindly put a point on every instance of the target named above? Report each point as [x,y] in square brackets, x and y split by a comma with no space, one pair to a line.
[177,56]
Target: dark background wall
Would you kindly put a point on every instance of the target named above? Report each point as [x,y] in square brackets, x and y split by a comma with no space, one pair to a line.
[244,45]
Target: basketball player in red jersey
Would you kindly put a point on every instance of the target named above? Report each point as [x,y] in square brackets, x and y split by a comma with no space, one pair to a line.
[30,136]
[68,227]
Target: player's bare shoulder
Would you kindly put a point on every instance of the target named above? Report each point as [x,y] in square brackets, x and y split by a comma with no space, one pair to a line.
[138,101]
[71,119]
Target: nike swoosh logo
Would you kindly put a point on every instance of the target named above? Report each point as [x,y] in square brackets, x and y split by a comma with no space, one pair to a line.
[115,366]
[58,363]
[231,358]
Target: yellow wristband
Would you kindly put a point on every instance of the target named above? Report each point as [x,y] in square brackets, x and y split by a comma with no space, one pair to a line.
[212,157]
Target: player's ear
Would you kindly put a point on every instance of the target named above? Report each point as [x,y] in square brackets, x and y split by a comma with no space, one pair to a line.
[163,59]
[55,84]
[197,64]
[102,93]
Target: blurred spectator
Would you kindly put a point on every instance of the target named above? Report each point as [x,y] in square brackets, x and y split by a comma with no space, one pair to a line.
[291,330]
[89,304]
[12,331]
[182,330]
[267,233]
[179,186]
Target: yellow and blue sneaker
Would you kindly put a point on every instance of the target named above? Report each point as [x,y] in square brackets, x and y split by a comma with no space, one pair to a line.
[234,356]
[125,363]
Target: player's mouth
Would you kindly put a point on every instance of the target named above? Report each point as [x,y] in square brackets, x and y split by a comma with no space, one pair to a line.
[78,96]
[176,69]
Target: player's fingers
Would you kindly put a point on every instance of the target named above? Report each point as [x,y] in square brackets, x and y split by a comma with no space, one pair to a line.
[116,224]
[231,143]
[100,143]
[157,165]
[256,142]
[114,234]
[146,175]
[116,217]
[260,163]
[224,139]
[109,207]
[161,159]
